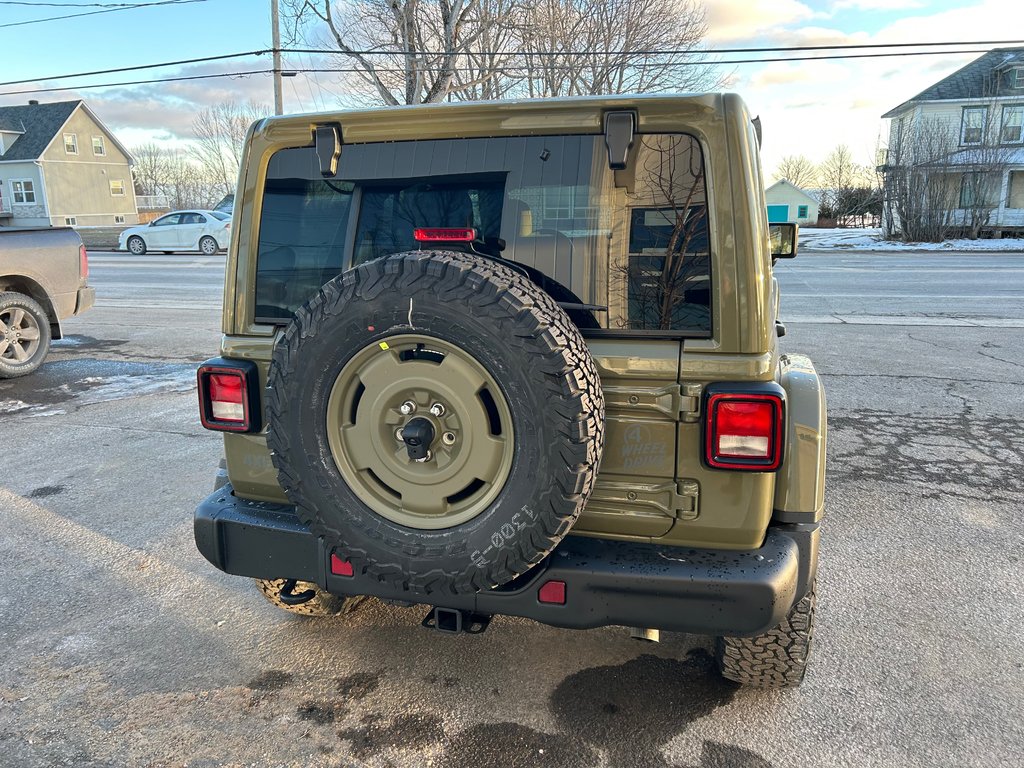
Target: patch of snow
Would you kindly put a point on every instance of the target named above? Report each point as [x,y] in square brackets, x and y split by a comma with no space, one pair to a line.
[870,239]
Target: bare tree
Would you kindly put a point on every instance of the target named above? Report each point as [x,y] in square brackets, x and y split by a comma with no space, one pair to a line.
[420,42]
[150,169]
[421,51]
[919,196]
[219,137]
[799,171]
[590,47]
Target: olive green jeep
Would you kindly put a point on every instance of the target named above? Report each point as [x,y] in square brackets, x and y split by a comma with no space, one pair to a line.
[519,358]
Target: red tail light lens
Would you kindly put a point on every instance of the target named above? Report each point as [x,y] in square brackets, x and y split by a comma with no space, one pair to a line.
[552,592]
[744,431]
[341,567]
[83,263]
[227,396]
[444,235]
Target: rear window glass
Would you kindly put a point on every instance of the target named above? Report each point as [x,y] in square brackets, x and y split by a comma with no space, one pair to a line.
[220,215]
[623,250]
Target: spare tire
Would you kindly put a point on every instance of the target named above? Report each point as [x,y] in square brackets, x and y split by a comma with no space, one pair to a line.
[437,418]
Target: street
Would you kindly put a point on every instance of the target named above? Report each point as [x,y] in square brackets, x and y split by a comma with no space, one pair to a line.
[125,647]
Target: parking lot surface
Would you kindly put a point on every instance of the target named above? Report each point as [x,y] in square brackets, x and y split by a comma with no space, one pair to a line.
[122,646]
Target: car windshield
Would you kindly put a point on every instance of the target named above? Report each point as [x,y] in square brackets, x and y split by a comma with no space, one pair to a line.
[624,250]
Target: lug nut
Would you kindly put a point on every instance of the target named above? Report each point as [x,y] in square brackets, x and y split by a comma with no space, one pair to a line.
[437,410]
[448,438]
[398,435]
[407,407]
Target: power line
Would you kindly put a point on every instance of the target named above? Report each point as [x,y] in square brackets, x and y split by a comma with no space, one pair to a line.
[502,70]
[663,52]
[179,62]
[125,7]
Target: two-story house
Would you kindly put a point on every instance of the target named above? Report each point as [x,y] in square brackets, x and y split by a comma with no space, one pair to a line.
[60,166]
[955,157]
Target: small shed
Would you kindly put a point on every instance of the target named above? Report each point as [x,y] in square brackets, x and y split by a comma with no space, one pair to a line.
[787,202]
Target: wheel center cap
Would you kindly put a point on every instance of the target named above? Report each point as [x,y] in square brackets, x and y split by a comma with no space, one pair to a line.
[417,435]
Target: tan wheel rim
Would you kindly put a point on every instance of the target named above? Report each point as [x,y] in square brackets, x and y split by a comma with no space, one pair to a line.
[383,389]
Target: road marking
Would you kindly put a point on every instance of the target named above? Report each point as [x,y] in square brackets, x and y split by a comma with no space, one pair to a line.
[955,322]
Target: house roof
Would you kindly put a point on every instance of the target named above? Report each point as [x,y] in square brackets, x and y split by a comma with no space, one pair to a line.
[794,187]
[40,123]
[972,81]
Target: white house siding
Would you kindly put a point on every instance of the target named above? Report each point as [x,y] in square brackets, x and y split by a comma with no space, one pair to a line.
[784,193]
[1010,212]
[22,215]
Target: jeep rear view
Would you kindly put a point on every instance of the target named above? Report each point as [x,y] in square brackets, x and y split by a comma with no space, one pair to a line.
[519,359]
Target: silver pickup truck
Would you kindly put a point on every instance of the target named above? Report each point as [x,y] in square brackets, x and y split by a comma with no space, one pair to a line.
[43,279]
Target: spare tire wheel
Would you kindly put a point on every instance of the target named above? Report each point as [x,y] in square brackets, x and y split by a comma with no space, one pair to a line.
[436,417]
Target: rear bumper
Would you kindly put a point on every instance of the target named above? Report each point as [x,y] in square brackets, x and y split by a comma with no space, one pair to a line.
[86,298]
[702,591]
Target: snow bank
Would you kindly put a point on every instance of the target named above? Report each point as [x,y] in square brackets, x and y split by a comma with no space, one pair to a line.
[871,239]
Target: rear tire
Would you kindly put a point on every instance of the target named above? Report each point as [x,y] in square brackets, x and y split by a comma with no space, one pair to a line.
[24,335]
[776,659]
[208,246]
[322,603]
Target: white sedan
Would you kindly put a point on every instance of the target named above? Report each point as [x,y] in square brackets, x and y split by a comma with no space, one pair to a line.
[203,231]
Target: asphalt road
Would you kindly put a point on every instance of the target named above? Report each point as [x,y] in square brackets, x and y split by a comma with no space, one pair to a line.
[124,647]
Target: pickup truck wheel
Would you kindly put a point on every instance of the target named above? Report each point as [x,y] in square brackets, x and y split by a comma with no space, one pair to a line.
[208,245]
[136,245]
[776,659]
[437,418]
[320,604]
[24,335]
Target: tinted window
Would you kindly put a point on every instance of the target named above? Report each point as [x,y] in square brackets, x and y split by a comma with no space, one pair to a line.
[633,243]
[220,215]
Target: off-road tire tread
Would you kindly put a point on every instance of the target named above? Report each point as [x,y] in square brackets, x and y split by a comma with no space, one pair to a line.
[323,604]
[776,659]
[528,317]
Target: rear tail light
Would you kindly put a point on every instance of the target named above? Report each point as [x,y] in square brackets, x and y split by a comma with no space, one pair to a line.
[228,395]
[83,263]
[444,234]
[744,430]
[341,567]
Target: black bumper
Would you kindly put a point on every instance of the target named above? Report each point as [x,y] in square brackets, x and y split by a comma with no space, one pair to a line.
[680,589]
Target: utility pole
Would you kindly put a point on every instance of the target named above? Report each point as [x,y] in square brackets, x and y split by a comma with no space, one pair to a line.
[276,33]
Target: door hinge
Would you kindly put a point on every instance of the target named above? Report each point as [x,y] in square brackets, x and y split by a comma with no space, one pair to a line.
[688,404]
[686,499]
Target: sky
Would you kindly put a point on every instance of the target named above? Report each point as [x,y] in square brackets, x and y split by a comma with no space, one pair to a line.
[806,107]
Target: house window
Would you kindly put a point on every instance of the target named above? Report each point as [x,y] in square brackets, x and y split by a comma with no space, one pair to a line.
[98,147]
[979,190]
[1012,120]
[1017,78]
[24,191]
[70,221]
[71,143]
[1016,197]
[801,211]
[972,125]
[117,187]
[119,219]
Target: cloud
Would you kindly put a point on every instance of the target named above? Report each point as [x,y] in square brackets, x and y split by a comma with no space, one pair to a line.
[876,5]
[734,20]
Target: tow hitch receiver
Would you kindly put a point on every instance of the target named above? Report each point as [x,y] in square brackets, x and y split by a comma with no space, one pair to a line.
[453,621]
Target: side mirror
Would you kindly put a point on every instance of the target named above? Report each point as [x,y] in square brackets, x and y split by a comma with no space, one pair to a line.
[783,239]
